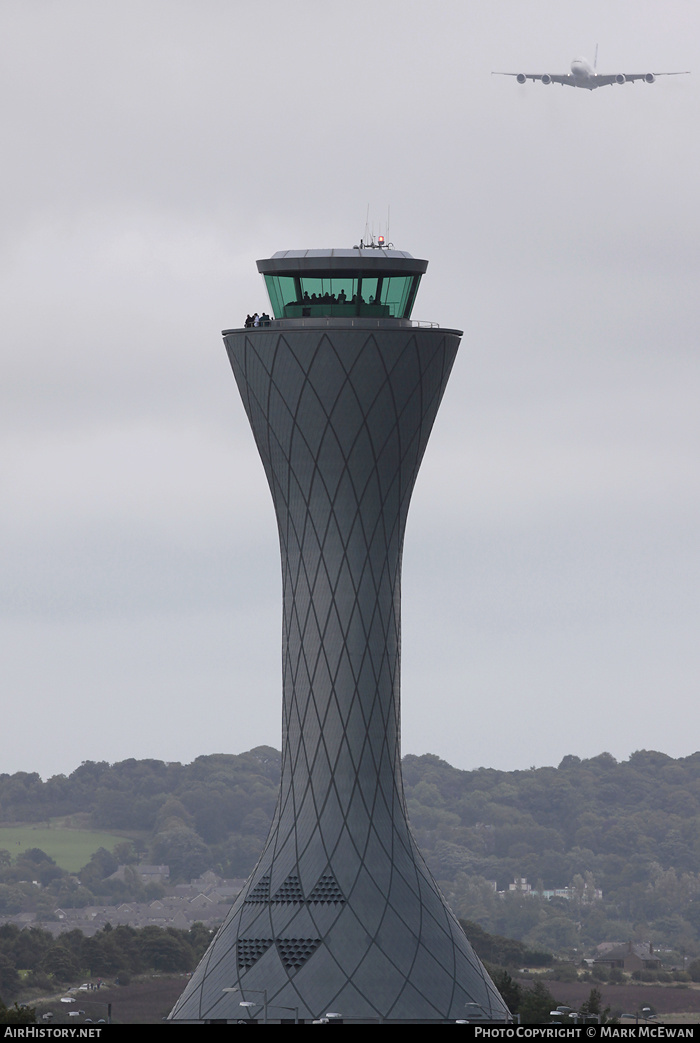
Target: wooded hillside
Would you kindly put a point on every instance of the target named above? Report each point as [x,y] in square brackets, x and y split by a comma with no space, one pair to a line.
[630,829]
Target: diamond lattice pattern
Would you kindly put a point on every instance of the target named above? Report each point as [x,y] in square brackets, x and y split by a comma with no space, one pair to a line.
[341,420]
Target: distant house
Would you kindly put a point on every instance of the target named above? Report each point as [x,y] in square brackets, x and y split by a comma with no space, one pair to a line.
[201,901]
[207,879]
[153,874]
[630,957]
[570,893]
[520,884]
[225,894]
[148,874]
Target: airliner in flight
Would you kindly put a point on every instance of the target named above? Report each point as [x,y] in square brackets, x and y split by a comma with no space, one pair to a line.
[585,75]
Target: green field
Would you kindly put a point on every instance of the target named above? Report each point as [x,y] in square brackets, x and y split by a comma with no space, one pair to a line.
[70,848]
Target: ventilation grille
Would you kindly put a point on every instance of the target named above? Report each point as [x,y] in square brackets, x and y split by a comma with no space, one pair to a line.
[326,891]
[290,891]
[261,891]
[294,952]
[249,950]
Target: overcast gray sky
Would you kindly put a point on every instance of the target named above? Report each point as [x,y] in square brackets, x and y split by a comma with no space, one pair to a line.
[152,151]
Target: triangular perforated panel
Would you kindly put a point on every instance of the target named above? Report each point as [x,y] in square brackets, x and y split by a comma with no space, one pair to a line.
[261,891]
[294,952]
[290,891]
[326,890]
[249,951]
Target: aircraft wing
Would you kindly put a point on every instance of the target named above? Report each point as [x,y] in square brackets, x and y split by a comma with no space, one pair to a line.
[630,77]
[547,77]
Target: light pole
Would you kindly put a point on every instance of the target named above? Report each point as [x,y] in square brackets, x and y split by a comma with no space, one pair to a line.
[280,1006]
[645,1013]
[563,1011]
[101,1003]
[246,1003]
[474,1014]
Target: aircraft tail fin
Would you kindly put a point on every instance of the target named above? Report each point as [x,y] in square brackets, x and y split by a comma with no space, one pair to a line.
[595,60]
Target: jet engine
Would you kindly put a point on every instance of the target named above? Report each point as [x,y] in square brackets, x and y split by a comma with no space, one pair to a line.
[650,78]
[620,78]
[521,77]
[546,78]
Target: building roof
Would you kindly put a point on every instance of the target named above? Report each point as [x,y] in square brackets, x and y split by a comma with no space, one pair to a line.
[365,259]
[643,951]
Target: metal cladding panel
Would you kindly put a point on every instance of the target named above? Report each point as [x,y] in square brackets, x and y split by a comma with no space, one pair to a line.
[341,912]
[367,260]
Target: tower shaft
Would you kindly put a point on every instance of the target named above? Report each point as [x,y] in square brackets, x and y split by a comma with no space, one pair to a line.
[341,913]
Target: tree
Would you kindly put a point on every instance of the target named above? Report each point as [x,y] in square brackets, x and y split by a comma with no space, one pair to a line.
[102,864]
[165,950]
[17,1015]
[103,955]
[60,963]
[125,853]
[536,1005]
[36,857]
[184,851]
[10,900]
[9,978]
[509,989]
[594,1006]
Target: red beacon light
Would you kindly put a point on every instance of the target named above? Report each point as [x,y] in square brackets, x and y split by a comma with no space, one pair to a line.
[379,243]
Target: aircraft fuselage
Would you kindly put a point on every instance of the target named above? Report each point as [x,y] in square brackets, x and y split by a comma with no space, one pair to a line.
[583,74]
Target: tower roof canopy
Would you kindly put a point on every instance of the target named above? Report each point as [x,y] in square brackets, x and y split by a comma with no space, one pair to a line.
[358,260]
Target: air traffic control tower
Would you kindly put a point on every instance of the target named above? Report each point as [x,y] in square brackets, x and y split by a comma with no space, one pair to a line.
[341,916]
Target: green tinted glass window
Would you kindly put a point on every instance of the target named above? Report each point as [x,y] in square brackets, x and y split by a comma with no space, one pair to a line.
[297,296]
[396,292]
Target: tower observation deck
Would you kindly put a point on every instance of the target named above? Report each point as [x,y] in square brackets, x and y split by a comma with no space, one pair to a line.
[369,282]
[341,914]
